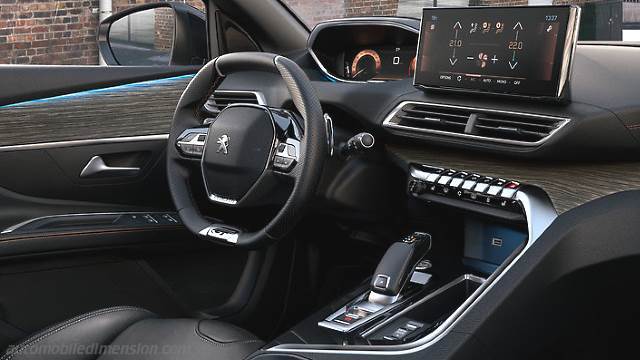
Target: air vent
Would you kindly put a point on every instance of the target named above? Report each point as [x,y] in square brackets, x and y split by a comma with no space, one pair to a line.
[411,118]
[520,127]
[223,98]
[429,117]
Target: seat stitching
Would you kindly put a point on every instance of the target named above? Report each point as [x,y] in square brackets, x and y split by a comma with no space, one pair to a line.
[216,343]
[64,325]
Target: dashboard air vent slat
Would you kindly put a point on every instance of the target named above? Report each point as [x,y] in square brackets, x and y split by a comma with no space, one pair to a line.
[420,116]
[515,128]
[222,98]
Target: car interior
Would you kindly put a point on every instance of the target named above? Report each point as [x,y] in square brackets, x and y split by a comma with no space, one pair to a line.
[461,184]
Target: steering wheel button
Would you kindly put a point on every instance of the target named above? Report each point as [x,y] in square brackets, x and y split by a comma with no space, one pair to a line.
[283,163]
[291,150]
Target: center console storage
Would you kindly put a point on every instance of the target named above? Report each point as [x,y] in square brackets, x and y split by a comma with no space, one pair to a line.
[426,314]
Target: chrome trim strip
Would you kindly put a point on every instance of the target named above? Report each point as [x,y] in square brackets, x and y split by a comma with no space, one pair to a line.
[382,299]
[394,127]
[86,142]
[351,22]
[539,213]
[222,200]
[571,40]
[328,123]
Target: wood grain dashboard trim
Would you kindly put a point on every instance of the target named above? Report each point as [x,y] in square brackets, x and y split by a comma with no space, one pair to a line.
[568,184]
[132,110]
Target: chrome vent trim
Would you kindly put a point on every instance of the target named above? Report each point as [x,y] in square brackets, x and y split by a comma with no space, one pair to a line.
[220,99]
[417,119]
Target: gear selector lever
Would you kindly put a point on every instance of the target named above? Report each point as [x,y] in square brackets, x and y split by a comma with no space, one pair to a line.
[396,267]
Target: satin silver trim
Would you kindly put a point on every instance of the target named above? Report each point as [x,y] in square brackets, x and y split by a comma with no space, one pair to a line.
[396,128]
[97,166]
[539,213]
[85,142]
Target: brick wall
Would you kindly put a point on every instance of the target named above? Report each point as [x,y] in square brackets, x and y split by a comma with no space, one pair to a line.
[500,2]
[313,12]
[49,32]
[371,7]
[164,28]
[54,31]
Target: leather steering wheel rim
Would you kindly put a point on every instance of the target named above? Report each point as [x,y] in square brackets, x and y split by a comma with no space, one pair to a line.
[313,146]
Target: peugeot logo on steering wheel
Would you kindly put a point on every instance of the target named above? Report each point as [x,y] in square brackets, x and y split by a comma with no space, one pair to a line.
[223,141]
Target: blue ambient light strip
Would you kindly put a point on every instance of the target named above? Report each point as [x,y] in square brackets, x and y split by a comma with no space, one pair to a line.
[117,88]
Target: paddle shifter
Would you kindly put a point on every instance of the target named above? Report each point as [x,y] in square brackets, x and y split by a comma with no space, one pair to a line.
[396,267]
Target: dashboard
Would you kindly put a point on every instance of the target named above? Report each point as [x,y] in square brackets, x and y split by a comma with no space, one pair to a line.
[576,150]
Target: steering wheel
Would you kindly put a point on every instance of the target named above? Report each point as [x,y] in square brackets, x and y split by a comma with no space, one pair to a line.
[248,150]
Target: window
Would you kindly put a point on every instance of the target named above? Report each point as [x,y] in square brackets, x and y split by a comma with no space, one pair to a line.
[57,32]
[617,20]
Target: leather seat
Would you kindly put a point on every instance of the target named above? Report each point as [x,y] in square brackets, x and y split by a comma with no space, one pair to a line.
[135,333]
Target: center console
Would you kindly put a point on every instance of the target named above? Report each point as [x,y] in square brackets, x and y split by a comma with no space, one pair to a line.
[427,280]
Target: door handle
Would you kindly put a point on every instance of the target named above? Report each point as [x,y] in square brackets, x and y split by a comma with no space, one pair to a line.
[96,167]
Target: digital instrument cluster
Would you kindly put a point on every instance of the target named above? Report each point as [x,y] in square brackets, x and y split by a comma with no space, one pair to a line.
[361,50]
[513,50]
[380,63]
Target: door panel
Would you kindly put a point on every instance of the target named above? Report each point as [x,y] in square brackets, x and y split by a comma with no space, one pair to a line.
[45,143]
[53,121]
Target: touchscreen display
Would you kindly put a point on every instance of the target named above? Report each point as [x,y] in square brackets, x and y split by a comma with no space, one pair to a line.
[511,50]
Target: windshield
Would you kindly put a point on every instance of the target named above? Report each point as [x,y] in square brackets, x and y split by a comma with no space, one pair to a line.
[601,20]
